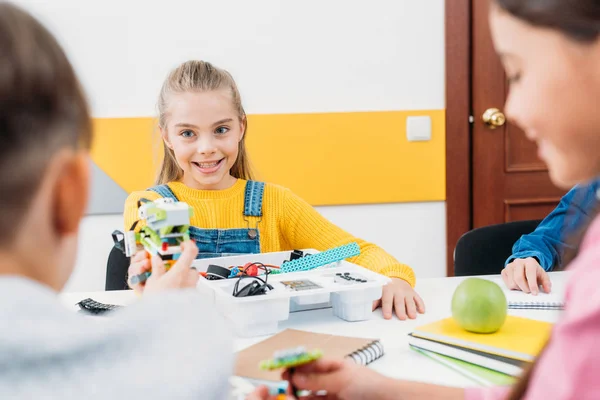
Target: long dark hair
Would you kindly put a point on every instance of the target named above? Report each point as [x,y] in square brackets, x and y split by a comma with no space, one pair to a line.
[579,20]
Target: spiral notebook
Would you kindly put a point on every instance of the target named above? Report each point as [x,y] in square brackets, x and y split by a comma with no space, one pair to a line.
[542,301]
[362,351]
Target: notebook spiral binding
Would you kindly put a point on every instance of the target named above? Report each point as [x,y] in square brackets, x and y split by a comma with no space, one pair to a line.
[533,305]
[368,354]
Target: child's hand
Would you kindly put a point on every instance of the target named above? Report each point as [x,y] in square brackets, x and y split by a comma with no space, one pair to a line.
[139,264]
[341,379]
[181,275]
[526,275]
[398,295]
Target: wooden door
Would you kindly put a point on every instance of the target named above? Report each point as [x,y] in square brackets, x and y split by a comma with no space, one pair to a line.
[509,181]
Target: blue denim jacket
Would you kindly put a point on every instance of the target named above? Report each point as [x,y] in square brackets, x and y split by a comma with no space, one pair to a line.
[548,242]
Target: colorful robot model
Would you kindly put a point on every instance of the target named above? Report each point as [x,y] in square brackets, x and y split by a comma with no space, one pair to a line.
[166,226]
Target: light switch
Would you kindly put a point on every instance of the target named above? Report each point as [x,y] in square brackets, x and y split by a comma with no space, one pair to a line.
[418,128]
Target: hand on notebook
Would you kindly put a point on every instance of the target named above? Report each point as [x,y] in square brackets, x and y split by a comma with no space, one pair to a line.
[341,379]
[399,296]
[526,274]
[179,276]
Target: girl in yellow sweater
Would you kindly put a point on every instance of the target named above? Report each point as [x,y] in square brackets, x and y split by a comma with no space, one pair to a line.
[203,126]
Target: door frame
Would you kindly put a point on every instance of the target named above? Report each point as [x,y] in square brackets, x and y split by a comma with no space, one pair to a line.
[458,125]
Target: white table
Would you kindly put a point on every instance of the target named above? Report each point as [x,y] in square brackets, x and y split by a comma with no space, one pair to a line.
[399,361]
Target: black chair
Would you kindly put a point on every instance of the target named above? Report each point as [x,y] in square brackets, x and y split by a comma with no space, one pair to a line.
[116,270]
[483,251]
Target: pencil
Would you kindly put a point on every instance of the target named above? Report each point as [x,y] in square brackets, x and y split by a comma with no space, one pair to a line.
[141,278]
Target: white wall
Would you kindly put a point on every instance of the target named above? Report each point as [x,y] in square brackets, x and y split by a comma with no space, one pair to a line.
[287,56]
[95,243]
[414,233]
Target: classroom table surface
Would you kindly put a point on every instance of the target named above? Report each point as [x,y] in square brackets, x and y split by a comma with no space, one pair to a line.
[399,360]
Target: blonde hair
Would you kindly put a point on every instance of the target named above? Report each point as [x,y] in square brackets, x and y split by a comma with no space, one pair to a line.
[199,76]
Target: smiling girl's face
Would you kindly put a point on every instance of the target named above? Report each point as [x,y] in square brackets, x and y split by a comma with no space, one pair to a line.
[204,131]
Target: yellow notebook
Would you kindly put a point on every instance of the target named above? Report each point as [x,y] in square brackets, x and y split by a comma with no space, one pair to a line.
[519,338]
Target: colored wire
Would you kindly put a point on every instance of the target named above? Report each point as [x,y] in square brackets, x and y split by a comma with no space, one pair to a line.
[245,275]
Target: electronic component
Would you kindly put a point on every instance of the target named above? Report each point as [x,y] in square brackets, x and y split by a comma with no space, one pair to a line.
[296,254]
[258,286]
[215,272]
[95,307]
[312,261]
[348,278]
[251,269]
[300,285]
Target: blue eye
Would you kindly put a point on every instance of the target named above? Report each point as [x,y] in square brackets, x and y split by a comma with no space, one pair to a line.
[221,130]
[187,133]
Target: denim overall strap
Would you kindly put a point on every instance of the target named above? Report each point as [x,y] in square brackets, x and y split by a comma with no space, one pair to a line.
[214,243]
[253,199]
[165,192]
[253,206]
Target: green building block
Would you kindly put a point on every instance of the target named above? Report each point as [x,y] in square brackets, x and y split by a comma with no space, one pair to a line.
[291,358]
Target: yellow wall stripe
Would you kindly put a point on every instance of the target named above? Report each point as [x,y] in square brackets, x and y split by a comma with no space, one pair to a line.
[326,158]
[123,148]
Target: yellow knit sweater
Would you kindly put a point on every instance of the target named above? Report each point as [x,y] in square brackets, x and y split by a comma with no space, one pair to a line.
[288,223]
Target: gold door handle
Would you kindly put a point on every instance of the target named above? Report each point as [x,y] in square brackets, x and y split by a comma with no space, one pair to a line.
[493,118]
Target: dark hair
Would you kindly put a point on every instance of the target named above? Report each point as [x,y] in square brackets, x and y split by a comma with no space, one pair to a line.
[580,21]
[42,110]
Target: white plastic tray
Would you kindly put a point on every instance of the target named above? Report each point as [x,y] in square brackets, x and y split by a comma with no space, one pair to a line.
[260,315]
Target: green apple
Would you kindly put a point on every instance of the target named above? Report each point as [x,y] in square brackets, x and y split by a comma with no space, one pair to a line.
[479,305]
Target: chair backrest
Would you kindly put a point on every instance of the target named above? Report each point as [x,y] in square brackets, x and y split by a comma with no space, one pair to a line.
[483,251]
[116,270]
